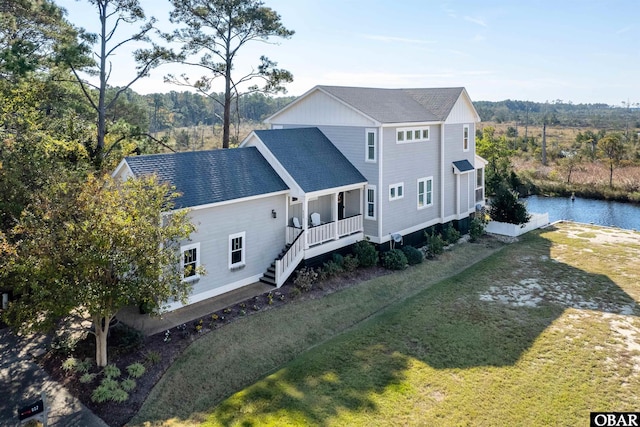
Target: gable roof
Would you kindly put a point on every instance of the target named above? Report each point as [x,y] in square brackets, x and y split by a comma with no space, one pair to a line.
[310,158]
[393,105]
[205,177]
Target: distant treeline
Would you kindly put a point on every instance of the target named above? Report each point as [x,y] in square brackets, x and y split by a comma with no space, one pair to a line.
[558,113]
[164,111]
[185,109]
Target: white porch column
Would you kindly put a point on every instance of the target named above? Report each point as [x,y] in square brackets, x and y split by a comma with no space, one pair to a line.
[305,220]
[334,214]
[458,196]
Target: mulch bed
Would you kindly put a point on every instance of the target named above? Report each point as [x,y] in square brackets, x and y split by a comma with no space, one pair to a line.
[159,351]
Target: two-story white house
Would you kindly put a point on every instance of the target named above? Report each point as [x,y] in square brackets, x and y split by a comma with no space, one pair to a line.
[340,164]
[416,148]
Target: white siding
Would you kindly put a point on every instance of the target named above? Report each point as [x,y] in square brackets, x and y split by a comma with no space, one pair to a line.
[265,238]
[319,109]
[407,163]
[453,152]
[462,112]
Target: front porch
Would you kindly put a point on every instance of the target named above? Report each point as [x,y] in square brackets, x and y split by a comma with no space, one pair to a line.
[317,225]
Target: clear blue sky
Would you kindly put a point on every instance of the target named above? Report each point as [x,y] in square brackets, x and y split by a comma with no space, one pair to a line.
[584,51]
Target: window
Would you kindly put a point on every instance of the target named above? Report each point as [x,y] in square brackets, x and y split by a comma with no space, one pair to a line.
[190,261]
[236,250]
[418,134]
[425,192]
[465,138]
[479,177]
[371,146]
[396,191]
[371,202]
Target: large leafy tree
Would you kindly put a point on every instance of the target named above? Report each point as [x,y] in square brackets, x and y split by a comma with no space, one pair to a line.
[32,32]
[91,247]
[496,151]
[216,31]
[114,15]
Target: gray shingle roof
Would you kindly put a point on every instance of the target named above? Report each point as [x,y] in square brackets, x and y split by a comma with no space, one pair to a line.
[310,158]
[399,105]
[205,177]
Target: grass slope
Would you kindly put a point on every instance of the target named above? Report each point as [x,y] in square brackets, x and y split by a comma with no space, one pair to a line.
[540,333]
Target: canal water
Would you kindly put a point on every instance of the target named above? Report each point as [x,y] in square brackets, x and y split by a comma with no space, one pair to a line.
[600,212]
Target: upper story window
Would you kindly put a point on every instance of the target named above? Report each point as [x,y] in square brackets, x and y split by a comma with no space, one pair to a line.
[370,147]
[190,261]
[396,191]
[465,138]
[371,202]
[237,250]
[417,134]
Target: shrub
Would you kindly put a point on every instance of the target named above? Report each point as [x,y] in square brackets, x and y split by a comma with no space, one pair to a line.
[450,235]
[87,378]
[331,269]
[136,370]
[350,263]
[153,357]
[414,256]
[505,207]
[394,260]
[476,230]
[305,278]
[338,259]
[366,253]
[111,371]
[435,244]
[128,384]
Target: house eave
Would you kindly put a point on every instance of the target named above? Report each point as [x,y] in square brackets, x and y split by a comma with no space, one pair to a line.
[228,202]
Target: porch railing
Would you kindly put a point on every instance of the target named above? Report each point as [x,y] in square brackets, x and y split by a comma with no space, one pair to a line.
[321,233]
[290,260]
[350,225]
[292,234]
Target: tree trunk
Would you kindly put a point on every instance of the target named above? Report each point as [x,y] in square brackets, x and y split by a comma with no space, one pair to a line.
[97,155]
[544,144]
[101,328]
[610,174]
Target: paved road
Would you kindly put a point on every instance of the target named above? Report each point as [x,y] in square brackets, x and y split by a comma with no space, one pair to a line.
[22,381]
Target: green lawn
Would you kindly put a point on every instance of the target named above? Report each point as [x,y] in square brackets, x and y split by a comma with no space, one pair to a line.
[540,333]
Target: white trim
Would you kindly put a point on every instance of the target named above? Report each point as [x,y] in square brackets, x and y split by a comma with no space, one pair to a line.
[409,230]
[425,180]
[228,202]
[380,181]
[366,202]
[396,187]
[277,127]
[185,248]
[442,169]
[367,132]
[411,124]
[193,298]
[468,138]
[333,245]
[269,119]
[411,131]
[243,250]
[122,164]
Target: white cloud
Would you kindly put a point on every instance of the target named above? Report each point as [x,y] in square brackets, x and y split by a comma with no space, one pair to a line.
[478,21]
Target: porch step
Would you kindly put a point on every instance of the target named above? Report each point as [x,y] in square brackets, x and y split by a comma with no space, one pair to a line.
[269,276]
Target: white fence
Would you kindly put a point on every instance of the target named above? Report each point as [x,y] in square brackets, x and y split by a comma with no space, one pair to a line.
[537,220]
